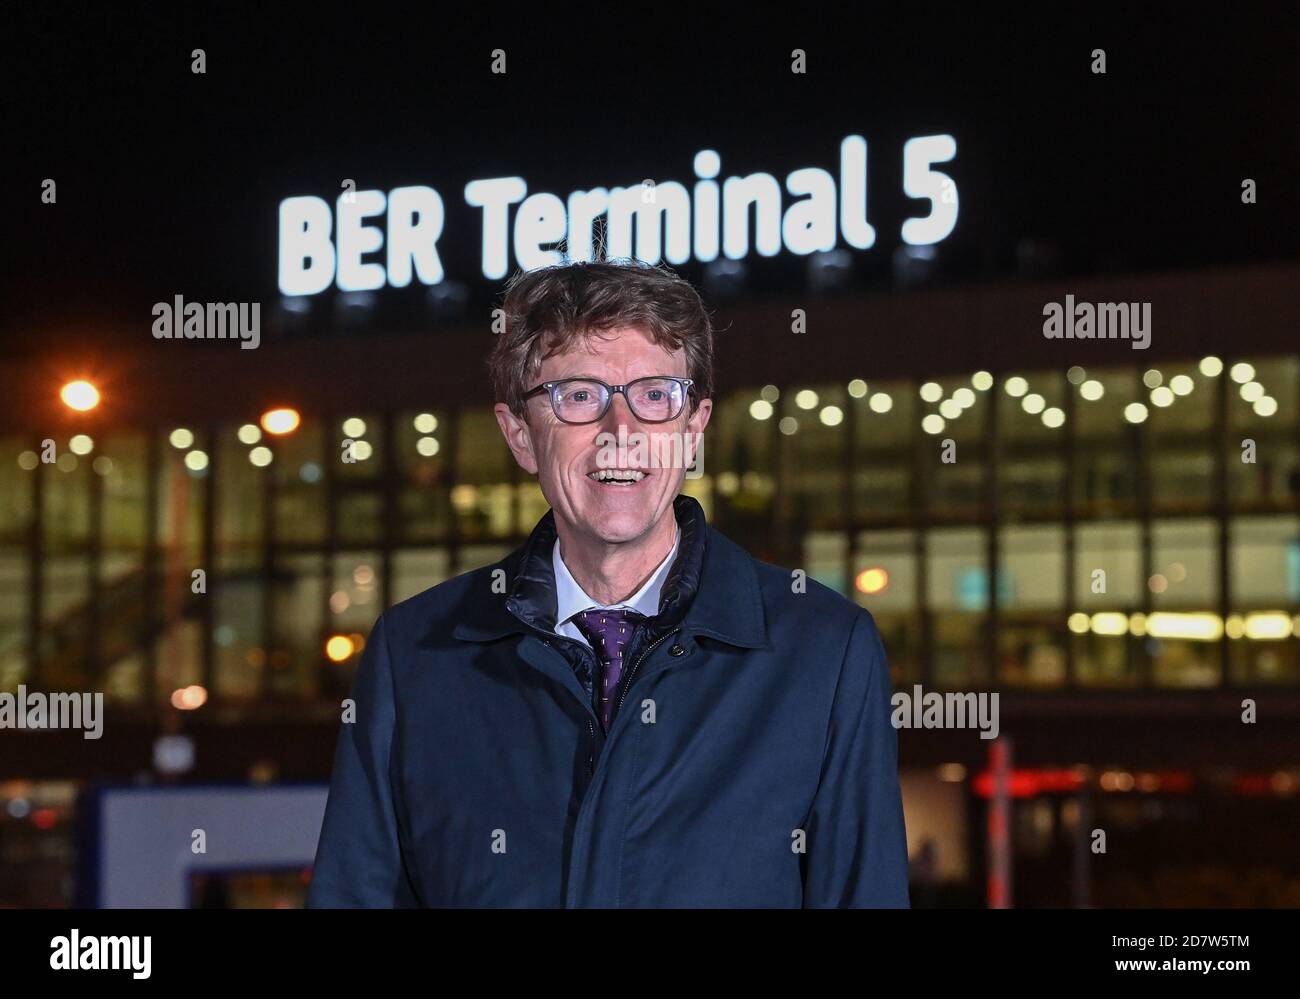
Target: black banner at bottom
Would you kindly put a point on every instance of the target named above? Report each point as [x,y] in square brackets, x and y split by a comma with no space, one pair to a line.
[344,949]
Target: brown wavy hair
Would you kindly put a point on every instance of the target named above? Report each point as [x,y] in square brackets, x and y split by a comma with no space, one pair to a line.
[546,309]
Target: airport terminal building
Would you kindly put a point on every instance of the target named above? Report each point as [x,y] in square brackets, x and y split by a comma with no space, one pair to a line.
[1103,531]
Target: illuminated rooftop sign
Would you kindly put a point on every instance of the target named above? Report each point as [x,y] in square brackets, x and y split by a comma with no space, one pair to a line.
[370,239]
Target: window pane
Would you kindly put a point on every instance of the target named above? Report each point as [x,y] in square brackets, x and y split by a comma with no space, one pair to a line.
[1264,621]
[1032,635]
[958,594]
[481,497]
[353,609]
[1033,561]
[825,559]
[360,506]
[67,634]
[18,469]
[298,603]
[885,434]
[1108,588]
[298,477]
[532,505]
[416,571]
[123,611]
[813,457]
[354,594]
[701,489]
[424,502]
[1181,436]
[240,489]
[1031,430]
[954,476]
[1108,566]
[1262,408]
[477,556]
[1184,645]
[360,514]
[182,500]
[738,452]
[1107,445]
[237,629]
[362,459]
[179,653]
[1185,565]
[884,581]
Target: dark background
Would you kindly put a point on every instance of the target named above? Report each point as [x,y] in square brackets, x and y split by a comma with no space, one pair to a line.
[168,181]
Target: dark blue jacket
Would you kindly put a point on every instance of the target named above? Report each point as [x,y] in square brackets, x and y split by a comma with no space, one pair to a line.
[752,761]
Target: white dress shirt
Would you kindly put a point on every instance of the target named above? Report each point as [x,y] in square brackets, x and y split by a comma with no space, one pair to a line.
[571,599]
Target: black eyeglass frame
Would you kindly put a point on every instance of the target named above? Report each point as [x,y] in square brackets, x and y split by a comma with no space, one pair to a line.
[549,387]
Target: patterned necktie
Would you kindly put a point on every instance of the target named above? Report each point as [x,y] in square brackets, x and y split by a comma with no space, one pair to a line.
[608,631]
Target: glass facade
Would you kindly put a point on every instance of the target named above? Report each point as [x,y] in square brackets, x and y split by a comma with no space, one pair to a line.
[1108,529]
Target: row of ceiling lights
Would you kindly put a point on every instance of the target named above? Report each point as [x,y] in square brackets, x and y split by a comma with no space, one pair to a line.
[963,398]
[277,422]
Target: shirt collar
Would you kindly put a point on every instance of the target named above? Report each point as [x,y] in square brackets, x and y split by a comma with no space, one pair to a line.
[572,599]
[712,589]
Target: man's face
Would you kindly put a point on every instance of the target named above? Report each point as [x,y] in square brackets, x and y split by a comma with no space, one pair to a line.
[564,456]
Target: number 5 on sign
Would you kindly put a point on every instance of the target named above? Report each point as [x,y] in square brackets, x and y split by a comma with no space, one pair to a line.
[919,181]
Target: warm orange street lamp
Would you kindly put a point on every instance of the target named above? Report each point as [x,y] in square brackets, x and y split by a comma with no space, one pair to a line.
[872,580]
[280,421]
[79,395]
[339,648]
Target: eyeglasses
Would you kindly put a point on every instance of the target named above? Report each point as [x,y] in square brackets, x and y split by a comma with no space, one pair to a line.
[655,399]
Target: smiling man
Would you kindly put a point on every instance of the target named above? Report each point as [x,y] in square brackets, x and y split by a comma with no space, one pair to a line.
[628,710]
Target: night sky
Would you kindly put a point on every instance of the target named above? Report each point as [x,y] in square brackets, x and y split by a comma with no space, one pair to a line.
[168,182]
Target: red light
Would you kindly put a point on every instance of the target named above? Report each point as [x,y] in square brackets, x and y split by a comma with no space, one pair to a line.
[1174,780]
[1253,785]
[1030,783]
[45,818]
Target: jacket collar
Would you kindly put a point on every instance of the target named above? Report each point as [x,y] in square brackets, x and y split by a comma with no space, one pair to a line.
[711,589]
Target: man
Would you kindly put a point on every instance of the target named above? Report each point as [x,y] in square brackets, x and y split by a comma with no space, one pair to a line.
[629,710]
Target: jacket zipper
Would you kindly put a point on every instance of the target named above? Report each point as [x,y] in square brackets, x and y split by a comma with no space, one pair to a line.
[591,728]
[640,659]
